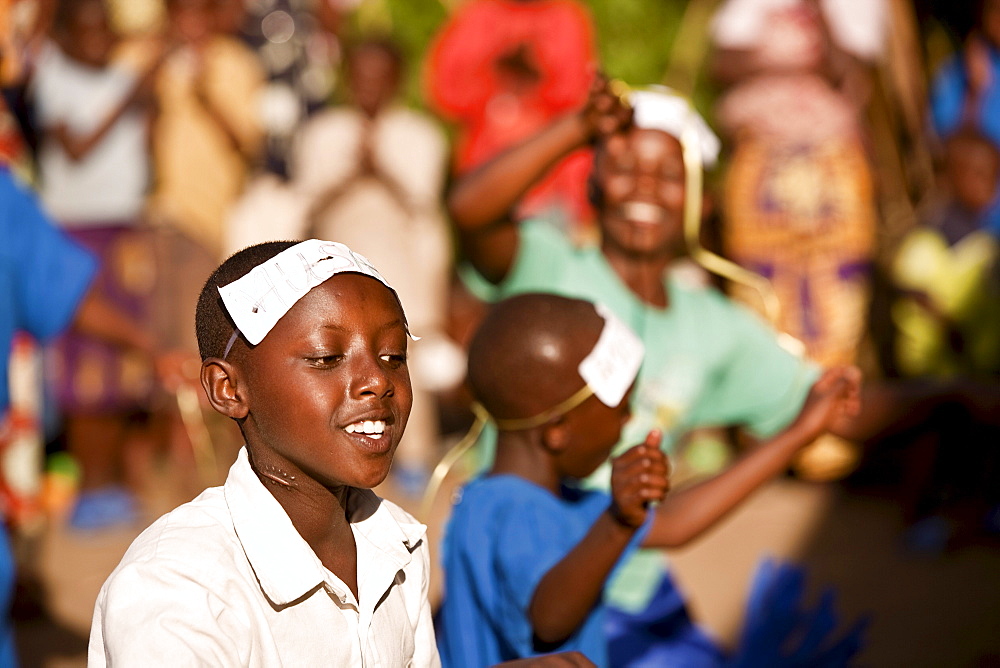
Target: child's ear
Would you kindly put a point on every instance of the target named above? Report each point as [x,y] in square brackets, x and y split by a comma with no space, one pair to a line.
[221,382]
[556,436]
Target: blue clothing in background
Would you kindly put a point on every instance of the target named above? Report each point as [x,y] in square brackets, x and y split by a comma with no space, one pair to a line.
[948,93]
[504,535]
[947,103]
[43,274]
[43,277]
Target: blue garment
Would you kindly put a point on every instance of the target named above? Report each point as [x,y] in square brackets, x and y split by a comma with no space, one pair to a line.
[661,635]
[43,277]
[504,535]
[947,98]
[947,103]
[8,645]
[43,274]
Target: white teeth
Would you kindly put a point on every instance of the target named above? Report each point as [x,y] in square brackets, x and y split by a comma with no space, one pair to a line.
[373,428]
[643,212]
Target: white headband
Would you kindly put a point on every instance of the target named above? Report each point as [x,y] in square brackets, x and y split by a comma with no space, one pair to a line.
[260,298]
[659,108]
[612,366]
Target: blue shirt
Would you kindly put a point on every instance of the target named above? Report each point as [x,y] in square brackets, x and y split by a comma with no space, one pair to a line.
[43,274]
[504,535]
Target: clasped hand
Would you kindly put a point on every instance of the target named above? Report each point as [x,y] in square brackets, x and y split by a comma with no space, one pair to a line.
[639,477]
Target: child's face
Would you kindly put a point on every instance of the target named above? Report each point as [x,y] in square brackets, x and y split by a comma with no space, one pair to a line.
[330,372]
[595,429]
[373,79]
[972,171]
[641,176]
[88,37]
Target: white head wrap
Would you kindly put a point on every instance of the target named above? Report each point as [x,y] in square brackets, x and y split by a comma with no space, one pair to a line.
[660,108]
[261,297]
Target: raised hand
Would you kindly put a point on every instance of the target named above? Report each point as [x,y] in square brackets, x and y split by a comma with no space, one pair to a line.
[605,113]
[835,396]
[639,477]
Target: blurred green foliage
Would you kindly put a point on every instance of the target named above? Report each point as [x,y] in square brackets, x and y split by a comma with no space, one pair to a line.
[634,37]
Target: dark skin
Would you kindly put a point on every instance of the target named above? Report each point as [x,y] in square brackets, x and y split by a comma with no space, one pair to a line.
[575,444]
[337,358]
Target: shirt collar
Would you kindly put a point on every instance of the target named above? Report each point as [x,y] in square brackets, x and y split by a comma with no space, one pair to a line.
[285,565]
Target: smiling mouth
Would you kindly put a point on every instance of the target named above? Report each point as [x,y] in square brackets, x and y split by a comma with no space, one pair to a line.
[370,428]
[643,212]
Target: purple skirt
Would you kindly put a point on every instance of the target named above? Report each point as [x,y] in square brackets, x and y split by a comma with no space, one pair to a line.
[87,375]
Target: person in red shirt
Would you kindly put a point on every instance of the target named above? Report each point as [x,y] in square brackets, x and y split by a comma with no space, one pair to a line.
[501,70]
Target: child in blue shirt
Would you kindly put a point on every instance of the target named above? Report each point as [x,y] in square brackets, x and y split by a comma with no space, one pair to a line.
[526,554]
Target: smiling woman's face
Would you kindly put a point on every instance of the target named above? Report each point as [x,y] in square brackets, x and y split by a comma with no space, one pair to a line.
[328,389]
[641,178]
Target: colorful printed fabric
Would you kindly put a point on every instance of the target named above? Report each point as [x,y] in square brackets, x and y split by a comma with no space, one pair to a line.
[91,375]
[803,216]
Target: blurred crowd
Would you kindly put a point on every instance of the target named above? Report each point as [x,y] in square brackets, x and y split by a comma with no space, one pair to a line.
[858,174]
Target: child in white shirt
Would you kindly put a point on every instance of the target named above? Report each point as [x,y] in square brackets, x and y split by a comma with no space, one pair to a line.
[294,561]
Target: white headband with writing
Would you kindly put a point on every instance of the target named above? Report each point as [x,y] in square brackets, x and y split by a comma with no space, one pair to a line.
[260,298]
[613,364]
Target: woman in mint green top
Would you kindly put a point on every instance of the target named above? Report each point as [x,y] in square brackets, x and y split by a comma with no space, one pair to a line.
[708,361]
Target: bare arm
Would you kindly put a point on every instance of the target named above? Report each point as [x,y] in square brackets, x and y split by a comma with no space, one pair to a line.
[100,318]
[688,513]
[78,147]
[480,203]
[571,588]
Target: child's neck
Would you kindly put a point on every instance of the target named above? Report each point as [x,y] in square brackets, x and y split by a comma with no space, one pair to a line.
[320,515]
[520,454]
[642,275]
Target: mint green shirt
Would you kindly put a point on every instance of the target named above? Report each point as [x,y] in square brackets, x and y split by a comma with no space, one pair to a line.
[708,362]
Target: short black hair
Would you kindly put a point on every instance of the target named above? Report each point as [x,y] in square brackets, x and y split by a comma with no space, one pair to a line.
[212,322]
[527,349]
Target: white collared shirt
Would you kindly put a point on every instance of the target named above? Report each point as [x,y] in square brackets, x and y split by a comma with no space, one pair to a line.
[226,580]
